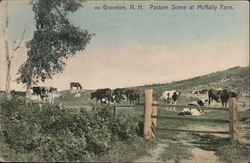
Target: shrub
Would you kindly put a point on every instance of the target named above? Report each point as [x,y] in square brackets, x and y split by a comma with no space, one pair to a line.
[62,134]
[233,153]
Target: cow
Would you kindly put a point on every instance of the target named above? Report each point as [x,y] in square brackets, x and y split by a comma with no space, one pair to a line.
[39,91]
[44,93]
[133,95]
[50,91]
[200,102]
[203,91]
[221,96]
[118,94]
[194,111]
[76,85]
[104,95]
[170,96]
[191,111]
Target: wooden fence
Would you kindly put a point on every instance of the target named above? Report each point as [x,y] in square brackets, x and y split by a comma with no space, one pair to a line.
[151,116]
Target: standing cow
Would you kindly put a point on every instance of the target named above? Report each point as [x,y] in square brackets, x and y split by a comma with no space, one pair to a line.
[170,97]
[103,95]
[44,93]
[133,95]
[119,94]
[221,96]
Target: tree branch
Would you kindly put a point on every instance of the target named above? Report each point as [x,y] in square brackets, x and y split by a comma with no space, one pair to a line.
[19,43]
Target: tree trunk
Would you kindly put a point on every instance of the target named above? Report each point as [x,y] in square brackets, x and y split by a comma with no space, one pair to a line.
[8,59]
[27,95]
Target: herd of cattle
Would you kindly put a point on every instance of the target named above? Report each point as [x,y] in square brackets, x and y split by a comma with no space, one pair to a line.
[108,96]
[117,95]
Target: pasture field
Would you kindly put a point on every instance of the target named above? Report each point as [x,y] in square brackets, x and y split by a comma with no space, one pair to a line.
[106,127]
[180,142]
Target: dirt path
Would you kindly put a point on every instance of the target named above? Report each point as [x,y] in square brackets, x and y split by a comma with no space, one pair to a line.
[154,153]
[199,155]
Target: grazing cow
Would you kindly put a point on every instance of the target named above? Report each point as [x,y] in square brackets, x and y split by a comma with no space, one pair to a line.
[221,96]
[104,95]
[170,96]
[133,95]
[75,84]
[118,94]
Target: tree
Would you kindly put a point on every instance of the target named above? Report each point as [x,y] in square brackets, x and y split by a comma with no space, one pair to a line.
[55,40]
[9,54]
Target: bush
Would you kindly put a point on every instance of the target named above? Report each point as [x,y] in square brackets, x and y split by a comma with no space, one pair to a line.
[62,134]
[234,153]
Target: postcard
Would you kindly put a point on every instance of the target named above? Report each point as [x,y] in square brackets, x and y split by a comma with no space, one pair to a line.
[78,76]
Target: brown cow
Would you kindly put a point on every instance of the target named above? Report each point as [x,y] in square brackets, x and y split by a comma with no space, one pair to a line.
[133,95]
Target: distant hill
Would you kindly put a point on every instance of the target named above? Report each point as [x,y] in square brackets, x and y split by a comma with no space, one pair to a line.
[236,79]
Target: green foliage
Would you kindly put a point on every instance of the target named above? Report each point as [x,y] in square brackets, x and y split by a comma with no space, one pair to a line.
[125,127]
[62,134]
[54,40]
[234,153]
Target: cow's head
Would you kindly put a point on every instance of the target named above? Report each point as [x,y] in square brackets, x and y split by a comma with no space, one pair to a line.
[235,94]
[178,93]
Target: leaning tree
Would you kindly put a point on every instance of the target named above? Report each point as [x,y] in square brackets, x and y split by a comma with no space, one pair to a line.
[54,40]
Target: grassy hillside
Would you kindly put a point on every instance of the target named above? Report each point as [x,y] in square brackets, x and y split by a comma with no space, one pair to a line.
[236,78]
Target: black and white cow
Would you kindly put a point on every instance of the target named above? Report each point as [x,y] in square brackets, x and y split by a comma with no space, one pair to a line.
[39,91]
[104,95]
[170,96]
[194,111]
[76,85]
[44,93]
[200,102]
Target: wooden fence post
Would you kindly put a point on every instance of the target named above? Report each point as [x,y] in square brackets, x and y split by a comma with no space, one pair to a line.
[234,128]
[147,133]
[154,119]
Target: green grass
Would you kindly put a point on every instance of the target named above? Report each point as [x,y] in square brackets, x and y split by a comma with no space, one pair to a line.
[127,152]
[175,152]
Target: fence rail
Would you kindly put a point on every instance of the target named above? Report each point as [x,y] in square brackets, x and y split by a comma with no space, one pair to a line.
[151,116]
[192,119]
[180,107]
[195,131]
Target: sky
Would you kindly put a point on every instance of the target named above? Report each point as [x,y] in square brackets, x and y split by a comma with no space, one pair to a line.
[138,47]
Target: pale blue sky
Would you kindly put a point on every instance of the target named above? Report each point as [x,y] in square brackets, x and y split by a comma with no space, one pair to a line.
[144,47]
